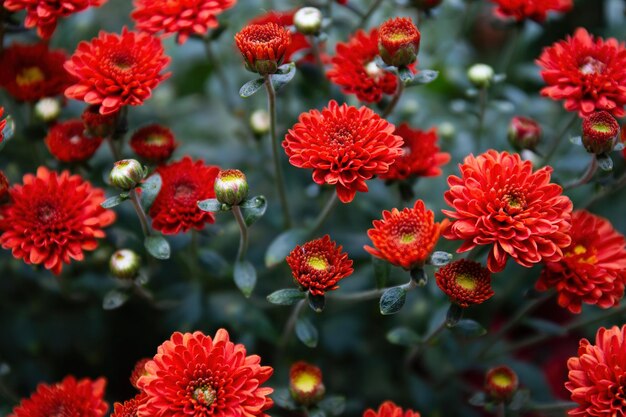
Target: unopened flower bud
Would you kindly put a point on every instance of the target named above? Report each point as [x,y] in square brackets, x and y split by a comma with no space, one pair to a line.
[98,125]
[481,75]
[125,264]
[600,131]
[524,133]
[305,383]
[231,187]
[426,4]
[126,174]
[260,122]
[501,383]
[308,20]
[48,109]
[398,42]
[446,130]
[263,47]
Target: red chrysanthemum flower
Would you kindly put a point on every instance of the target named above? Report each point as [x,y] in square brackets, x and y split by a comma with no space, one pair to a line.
[536,10]
[44,14]
[185,182]
[4,187]
[130,407]
[405,238]
[53,218]
[499,200]
[138,371]
[285,19]
[465,282]
[589,74]
[263,47]
[600,132]
[354,69]
[185,18]
[82,398]
[597,377]
[501,383]
[196,375]
[398,41]
[344,146]
[305,383]
[524,133]
[593,267]
[318,265]
[420,155]
[32,72]
[154,143]
[117,70]
[67,142]
[389,409]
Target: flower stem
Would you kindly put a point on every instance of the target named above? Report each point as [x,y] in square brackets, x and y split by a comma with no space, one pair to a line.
[501,410]
[417,351]
[396,98]
[143,219]
[315,49]
[121,128]
[243,233]
[587,176]
[291,323]
[280,181]
[328,207]
[617,185]
[556,142]
[370,11]
[483,98]
[371,294]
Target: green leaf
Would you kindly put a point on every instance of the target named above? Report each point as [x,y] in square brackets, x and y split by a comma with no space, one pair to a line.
[454,315]
[114,299]
[440,258]
[253,209]
[149,190]
[403,336]
[405,74]
[283,244]
[157,246]
[114,201]
[251,87]
[605,162]
[210,205]
[215,263]
[479,399]
[245,277]
[425,76]
[317,302]
[576,140]
[334,405]
[546,327]
[392,300]
[382,269]
[381,64]
[306,332]
[317,412]
[469,328]
[284,76]
[9,129]
[286,297]
[283,399]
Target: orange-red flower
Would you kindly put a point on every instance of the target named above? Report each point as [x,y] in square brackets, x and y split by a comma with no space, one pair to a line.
[500,201]
[53,218]
[185,18]
[344,146]
[398,41]
[405,238]
[536,10]
[597,375]
[44,14]
[116,70]
[184,184]
[130,407]
[138,371]
[70,397]
[465,282]
[318,265]
[196,375]
[67,142]
[588,73]
[263,47]
[593,268]
[285,19]
[420,155]
[305,383]
[154,143]
[389,409]
[32,72]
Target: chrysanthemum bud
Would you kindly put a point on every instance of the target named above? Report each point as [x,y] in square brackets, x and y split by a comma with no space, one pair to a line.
[465,282]
[231,187]
[260,122]
[126,174]
[600,131]
[305,383]
[480,75]
[4,187]
[426,4]
[48,109]
[446,130]
[501,383]
[308,20]
[263,46]
[98,125]
[398,41]
[524,133]
[124,264]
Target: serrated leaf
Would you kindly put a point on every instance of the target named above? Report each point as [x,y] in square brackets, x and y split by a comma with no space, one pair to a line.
[334,405]
[113,201]
[286,297]
[405,74]
[283,244]
[210,205]
[425,76]
[245,277]
[284,76]
[317,302]
[403,336]
[157,246]
[605,162]
[546,327]
[469,328]
[114,299]
[251,87]
[149,190]
[392,300]
[382,269]
[306,332]
[253,209]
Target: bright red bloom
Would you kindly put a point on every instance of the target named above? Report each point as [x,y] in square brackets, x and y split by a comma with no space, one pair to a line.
[184,184]
[82,398]
[285,19]
[536,10]
[318,265]
[389,409]
[138,371]
[405,238]
[344,146]
[196,375]
[67,142]
[53,218]
[44,14]
[117,70]
[499,200]
[263,47]
[185,18]
[597,377]
[589,74]
[32,72]
[420,155]
[130,407]
[4,187]
[398,41]
[465,282]
[154,143]
[593,268]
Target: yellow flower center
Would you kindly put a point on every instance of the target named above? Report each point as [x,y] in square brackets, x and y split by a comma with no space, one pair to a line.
[407,238]
[306,382]
[156,140]
[318,263]
[580,250]
[467,282]
[602,128]
[501,380]
[29,76]
[205,395]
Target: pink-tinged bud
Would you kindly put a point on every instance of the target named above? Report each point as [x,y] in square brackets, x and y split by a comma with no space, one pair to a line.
[600,131]
[501,383]
[125,264]
[305,383]
[231,187]
[398,41]
[98,125]
[126,174]
[524,133]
